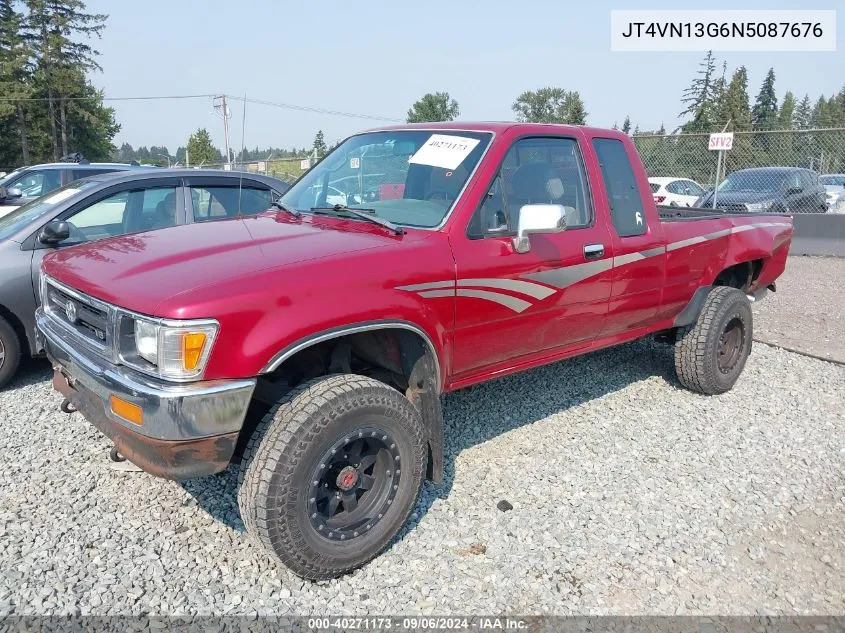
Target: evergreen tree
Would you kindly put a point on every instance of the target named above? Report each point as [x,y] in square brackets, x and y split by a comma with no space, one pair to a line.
[698,97]
[52,26]
[15,74]
[787,111]
[550,105]
[626,125]
[803,114]
[764,114]
[319,148]
[200,149]
[615,126]
[733,105]
[438,106]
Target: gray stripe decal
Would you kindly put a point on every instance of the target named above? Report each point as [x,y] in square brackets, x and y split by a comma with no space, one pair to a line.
[523,287]
[687,242]
[431,294]
[517,305]
[432,284]
[563,277]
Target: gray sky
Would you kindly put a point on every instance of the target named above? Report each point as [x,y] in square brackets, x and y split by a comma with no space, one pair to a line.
[378,57]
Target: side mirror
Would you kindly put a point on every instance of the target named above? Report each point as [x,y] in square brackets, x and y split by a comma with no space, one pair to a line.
[793,190]
[14,192]
[538,218]
[54,233]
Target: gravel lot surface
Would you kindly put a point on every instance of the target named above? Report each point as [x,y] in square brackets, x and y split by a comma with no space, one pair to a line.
[807,313]
[630,495]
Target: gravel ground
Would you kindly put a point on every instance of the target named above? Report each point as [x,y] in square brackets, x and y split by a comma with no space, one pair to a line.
[630,495]
[807,313]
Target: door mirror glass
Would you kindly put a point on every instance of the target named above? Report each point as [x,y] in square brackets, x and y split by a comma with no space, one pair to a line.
[538,218]
[14,192]
[793,190]
[54,233]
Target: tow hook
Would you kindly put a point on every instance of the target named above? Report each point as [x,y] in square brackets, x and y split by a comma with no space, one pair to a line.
[115,456]
[67,407]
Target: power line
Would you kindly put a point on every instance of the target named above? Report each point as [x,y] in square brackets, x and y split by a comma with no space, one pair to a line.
[288,106]
[275,104]
[106,98]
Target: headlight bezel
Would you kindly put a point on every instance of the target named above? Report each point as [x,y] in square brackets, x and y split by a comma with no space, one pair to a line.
[167,331]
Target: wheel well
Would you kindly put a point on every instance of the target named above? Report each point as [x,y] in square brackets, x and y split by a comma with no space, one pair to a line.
[18,327]
[740,276]
[396,356]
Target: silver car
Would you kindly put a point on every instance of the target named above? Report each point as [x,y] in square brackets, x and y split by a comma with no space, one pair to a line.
[834,185]
[103,206]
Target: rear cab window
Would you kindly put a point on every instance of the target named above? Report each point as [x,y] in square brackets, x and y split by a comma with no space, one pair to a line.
[623,195]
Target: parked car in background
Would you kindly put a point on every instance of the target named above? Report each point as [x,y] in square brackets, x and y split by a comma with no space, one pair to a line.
[769,189]
[834,185]
[675,192]
[28,183]
[107,205]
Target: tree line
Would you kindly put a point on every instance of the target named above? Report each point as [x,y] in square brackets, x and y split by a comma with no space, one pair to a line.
[51,107]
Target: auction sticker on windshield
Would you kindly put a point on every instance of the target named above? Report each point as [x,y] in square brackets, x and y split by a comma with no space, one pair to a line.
[444,150]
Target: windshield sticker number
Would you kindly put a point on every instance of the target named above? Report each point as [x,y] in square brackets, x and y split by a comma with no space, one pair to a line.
[444,150]
[354,163]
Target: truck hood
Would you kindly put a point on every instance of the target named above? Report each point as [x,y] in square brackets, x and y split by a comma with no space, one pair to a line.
[139,271]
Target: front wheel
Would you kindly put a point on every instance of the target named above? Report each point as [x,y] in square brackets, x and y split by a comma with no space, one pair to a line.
[10,352]
[331,474]
[711,353]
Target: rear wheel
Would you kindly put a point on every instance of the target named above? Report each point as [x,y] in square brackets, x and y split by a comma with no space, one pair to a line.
[331,474]
[10,352]
[710,354]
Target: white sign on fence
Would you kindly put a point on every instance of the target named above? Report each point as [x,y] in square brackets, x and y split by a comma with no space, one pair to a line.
[305,163]
[721,141]
[262,165]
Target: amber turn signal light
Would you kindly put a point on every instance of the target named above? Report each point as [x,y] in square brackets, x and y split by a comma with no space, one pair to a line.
[192,346]
[126,410]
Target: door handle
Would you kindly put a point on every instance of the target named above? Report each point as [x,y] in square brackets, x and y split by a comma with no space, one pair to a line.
[593,251]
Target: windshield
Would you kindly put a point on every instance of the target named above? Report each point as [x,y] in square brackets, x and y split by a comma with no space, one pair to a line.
[9,177]
[835,179]
[22,216]
[751,181]
[410,177]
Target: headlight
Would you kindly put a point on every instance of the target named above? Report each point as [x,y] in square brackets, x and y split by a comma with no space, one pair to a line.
[759,206]
[170,349]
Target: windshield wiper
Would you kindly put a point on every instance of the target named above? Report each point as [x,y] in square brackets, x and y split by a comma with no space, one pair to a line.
[279,205]
[362,214]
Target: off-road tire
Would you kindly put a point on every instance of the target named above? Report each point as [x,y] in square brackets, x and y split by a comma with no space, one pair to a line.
[10,346]
[290,442]
[698,346]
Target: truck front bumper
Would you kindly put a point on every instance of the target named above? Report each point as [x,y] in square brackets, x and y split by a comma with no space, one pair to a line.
[186,430]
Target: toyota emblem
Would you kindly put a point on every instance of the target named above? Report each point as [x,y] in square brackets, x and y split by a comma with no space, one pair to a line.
[70,311]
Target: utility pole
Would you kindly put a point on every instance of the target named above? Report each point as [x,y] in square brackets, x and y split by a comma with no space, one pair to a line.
[221,106]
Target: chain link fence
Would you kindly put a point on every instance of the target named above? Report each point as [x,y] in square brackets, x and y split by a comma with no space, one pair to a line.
[757,174]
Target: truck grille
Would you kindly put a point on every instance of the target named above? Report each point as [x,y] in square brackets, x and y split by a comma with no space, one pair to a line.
[89,319]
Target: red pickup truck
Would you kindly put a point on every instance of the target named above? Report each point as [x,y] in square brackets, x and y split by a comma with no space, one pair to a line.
[312,342]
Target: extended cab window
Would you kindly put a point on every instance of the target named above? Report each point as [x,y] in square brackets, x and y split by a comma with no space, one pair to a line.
[218,203]
[626,207]
[534,171]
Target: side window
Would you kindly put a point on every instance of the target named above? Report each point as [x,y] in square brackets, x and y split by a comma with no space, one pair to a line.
[694,189]
[37,183]
[84,173]
[125,212]
[534,171]
[676,187]
[217,203]
[809,180]
[626,209]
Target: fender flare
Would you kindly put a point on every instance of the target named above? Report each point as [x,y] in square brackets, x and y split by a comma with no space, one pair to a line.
[424,391]
[689,314]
